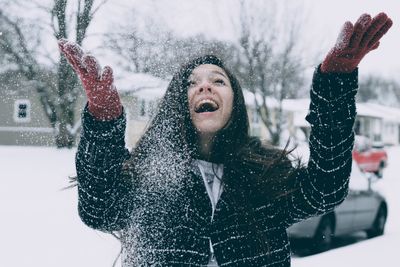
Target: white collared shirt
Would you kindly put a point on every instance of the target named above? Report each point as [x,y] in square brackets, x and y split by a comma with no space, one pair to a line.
[212,173]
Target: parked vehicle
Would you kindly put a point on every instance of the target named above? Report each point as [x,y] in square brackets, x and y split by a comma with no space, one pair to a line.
[363,210]
[370,158]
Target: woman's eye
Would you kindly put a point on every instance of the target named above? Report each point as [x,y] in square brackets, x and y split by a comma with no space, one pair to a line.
[219,81]
[191,83]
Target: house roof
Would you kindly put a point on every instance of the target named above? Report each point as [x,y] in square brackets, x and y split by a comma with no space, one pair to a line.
[387,113]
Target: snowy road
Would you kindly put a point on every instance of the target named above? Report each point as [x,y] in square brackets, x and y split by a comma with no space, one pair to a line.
[40,227]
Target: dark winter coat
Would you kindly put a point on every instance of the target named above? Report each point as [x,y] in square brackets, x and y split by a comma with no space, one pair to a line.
[246,230]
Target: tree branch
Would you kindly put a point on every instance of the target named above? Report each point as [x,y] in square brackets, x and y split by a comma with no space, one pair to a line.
[83,20]
[98,7]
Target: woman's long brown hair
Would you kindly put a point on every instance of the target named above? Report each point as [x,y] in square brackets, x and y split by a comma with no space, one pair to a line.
[242,154]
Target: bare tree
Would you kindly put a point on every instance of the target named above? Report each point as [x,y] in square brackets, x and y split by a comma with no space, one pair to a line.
[156,49]
[267,60]
[58,90]
[378,89]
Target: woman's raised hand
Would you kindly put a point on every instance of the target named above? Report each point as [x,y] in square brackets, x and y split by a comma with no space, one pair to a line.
[103,99]
[354,42]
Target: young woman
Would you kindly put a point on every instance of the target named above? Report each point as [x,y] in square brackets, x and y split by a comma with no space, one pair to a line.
[197,190]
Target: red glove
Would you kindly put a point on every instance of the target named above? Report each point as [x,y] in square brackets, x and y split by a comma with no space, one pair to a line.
[104,102]
[354,42]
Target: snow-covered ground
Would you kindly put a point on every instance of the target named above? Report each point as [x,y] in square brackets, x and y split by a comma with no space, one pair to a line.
[39,224]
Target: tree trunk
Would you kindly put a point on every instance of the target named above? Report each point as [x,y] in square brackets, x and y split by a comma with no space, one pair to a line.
[64,139]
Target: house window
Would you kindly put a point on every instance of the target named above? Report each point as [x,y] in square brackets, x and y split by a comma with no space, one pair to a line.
[255,117]
[142,111]
[22,110]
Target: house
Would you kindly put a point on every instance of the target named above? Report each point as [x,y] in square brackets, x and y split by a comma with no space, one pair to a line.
[140,94]
[389,124]
[22,118]
[379,123]
[24,122]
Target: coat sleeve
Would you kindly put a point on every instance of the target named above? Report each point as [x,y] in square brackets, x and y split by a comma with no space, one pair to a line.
[103,194]
[323,183]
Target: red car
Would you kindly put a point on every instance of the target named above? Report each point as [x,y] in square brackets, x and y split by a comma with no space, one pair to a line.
[369,158]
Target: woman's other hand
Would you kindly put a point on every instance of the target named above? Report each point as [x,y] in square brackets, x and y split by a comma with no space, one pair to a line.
[354,42]
[103,100]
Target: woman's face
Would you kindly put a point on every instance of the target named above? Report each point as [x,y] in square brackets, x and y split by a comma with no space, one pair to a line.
[210,98]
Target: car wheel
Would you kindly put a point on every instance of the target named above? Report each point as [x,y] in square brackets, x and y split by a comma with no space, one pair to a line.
[378,228]
[379,172]
[323,236]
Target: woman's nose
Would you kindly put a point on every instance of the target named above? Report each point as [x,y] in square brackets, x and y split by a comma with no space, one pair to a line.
[205,86]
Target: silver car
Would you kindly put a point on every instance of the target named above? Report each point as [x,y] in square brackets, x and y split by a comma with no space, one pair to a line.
[363,210]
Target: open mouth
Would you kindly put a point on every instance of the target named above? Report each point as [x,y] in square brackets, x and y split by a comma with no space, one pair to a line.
[206,105]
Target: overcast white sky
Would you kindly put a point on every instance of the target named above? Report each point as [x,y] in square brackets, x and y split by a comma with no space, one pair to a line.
[330,15]
[324,20]
[213,17]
